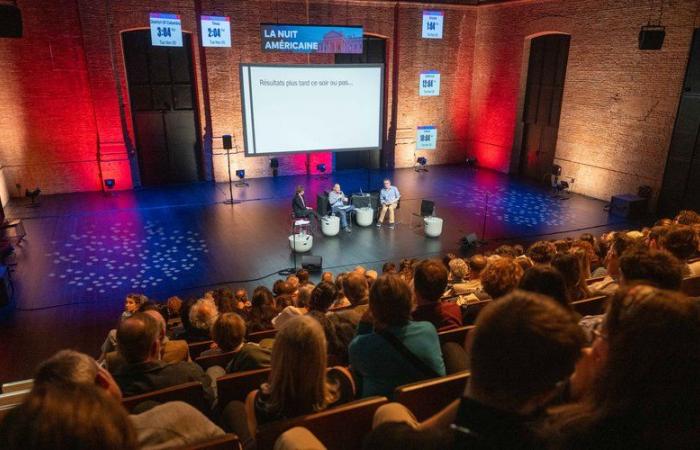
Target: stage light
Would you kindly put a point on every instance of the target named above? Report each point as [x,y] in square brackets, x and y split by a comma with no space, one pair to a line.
[240,173]
[274,165]
[421,162]
[321,167]
[110,183]
[33,195]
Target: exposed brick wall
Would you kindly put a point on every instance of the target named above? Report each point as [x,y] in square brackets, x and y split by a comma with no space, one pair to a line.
[59,102]
[619,102]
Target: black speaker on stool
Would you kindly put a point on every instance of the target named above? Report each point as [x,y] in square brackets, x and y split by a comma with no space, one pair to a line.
[10,21]
[628,205]
[651,37]
[312,263]
[5,291]
[322,206]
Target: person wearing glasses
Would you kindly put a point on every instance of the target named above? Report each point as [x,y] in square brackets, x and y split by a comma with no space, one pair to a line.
[340,206]
[389,199]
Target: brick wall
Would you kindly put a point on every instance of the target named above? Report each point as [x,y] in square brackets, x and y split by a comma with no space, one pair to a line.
[64,106]
[619,103]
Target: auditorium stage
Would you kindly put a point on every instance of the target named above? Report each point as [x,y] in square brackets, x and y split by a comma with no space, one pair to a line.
[84,252]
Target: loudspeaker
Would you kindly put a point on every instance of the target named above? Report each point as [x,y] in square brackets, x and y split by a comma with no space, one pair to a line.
[651,38]
[5,295]
[361,201]
[468,242]
[628,205]
[427,208]
[10,21]
[227,141]
[312,263]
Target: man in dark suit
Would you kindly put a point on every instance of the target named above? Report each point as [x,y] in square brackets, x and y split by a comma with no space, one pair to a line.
[301,211]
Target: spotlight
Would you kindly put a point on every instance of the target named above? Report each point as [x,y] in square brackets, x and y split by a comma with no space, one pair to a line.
[33,195]
[274,165]
[110,183]
[421,162]
[321,167]
[240,173]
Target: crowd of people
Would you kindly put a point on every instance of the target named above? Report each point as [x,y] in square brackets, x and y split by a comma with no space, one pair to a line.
[541,375]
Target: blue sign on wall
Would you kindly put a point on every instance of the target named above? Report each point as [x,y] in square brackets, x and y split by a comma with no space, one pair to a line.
[310,38]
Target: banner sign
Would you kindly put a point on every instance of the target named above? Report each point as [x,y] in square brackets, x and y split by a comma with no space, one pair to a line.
[166,30]
[432,24]
[426,138]
[429,85]
[216,31]
[310,38]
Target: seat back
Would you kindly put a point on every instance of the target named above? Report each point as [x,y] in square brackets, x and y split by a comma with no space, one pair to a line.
[427,208]
[590,281]
[235,386]
[426,398]
[260,335]
[191,393]
[11,400]
[221,359]
[225,442]
[691,286]
[341,428]
[15,386]
[456,335]
[590,306]
[471,310]
[196,348]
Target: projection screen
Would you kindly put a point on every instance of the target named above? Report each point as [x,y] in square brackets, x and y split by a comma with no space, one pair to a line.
[307,108]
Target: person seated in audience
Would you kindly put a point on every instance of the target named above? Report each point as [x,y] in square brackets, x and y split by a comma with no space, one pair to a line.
[429,284]
[562,245]
[388,268]
[285,291]
[300,382]
[303,277]
[338,329]
[68,417]
[505,251]
[371,276]
[641,265]
[262,310]
[138,344]
[500,277]
[588,242]
[241,303]
[570,267]
[542,252]
[619,242]
[546,280]
[172,351]
[356,290]
[171,424]
[202,314]
[477,263]
[638,386]
[406,267]
[228,334]
[687,217]
[515,372]
[389,349]
[682,242]
[132,303]
[189,331]
[174,304]
[341,300]
[300,308]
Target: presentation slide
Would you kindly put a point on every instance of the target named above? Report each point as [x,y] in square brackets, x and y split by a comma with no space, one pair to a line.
[306,108]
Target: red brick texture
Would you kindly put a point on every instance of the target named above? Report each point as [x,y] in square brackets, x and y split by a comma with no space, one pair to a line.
[64,127]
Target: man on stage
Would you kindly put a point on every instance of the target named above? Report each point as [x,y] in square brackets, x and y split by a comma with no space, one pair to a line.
[339,206]
[301,211]
[389,199]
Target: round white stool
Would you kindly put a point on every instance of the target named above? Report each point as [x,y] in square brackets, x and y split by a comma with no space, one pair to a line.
[301,242]
[330,225]
[364,216]
[433,226]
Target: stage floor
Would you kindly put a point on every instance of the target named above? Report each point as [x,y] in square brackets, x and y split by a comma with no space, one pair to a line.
[84,252]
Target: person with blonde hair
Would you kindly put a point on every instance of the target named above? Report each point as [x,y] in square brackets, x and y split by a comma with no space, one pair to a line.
[300,382]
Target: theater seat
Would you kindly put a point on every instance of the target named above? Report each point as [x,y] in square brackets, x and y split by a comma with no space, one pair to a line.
[225,442]
[190,393]
[260,335]
[426,398]
[222,359]
[470,311]
[236,386]
[196,348]
[341,428]
[457,335]
[691,286]
[590,306]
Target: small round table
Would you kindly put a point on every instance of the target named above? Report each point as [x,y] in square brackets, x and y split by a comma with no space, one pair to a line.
[433,226]
[301,242]
[330,225]
[364,216]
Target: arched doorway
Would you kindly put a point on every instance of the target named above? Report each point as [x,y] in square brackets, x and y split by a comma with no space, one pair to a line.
[163,109]
[543,96]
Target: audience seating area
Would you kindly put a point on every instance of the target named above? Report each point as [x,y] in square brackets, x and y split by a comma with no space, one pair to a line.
[601,266]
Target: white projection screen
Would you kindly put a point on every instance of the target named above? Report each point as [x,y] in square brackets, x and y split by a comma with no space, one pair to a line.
[307,108]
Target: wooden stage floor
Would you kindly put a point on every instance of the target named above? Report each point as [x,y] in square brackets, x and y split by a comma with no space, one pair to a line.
[84,252]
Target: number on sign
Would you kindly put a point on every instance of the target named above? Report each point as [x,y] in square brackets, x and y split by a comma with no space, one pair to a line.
[214,32]
[431,26]
[164,32]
